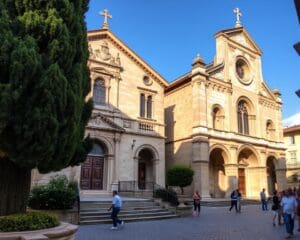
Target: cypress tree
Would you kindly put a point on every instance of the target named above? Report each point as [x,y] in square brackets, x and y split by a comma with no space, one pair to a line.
[44,81]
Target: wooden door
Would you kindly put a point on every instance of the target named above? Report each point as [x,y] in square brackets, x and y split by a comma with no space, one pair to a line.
[97,173]
[92,173]
[242,181]
[142,176]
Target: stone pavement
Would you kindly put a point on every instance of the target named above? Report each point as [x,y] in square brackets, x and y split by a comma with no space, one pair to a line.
[213,224]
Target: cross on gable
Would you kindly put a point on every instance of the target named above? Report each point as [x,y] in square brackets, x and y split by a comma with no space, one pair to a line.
[106,17]
[238,15]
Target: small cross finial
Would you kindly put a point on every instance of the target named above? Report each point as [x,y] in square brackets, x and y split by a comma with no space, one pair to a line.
[106,16]
[238,22]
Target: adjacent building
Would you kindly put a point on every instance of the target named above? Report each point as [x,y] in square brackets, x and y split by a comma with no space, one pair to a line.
[292,143]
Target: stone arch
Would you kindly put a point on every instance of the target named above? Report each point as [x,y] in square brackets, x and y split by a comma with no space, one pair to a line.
[249,171]
[271,173]
[218,182]
[250,105]
[148,146]
[218,117]
[245,111]
[146,156]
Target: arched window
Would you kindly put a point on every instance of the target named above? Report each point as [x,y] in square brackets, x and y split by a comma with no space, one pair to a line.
[218,117]
[97,150]
[270,129]
[149,107]
[243,120]
[99,92]
[142,105]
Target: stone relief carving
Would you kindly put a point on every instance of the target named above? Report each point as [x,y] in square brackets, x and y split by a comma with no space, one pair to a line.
[126,124]
[103,54]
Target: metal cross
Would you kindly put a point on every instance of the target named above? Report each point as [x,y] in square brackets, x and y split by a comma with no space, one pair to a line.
[106,16]
[238,15]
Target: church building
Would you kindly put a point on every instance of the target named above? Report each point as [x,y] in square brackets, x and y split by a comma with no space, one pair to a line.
[220,118]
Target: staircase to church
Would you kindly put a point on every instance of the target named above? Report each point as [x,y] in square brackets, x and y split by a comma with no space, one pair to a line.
[95,212]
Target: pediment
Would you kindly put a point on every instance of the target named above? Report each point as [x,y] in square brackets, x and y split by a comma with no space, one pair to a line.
[102,122]
[266,92]
[241,37]
[102,53]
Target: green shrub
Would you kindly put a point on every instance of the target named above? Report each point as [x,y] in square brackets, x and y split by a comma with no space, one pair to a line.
[166,195]
[57,194]
[180,175]
[27,222]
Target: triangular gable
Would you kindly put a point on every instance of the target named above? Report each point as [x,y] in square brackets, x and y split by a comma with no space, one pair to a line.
[98,120]
[241,37]
[105,33]
[266,92]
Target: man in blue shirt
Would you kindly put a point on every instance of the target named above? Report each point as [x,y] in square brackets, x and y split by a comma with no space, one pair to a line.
[116,207]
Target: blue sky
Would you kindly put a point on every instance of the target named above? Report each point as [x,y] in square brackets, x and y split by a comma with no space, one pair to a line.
[168,34]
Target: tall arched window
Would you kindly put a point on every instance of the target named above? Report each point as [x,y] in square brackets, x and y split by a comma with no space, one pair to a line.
[149,107]
[243,120]
[142,105]
[99,92]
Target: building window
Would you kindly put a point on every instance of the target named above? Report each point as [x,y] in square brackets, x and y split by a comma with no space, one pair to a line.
[149,107]
[145,106]
[99,92]
[243,119]
[293,157]
[142,105]
[292,139]
[218,118]
[270,130]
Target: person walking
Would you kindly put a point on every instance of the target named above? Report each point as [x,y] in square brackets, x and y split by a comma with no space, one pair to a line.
[234,197]
[289,206]
[275,208]
[263,199]
[196,199]
[238,201]
[116,207]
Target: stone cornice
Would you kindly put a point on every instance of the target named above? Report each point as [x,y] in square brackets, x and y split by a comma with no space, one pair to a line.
[269,103]
[219,85]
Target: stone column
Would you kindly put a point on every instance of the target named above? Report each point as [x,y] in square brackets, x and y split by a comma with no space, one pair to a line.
[115,165]
[200,162]
[231,172]
[281,174]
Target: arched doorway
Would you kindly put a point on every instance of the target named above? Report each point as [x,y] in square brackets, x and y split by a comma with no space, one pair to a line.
[92,169]
[217,177]
[145,169]
[271,175]
[248,176]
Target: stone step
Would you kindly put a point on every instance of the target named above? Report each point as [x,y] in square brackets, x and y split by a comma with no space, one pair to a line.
[125,215]
[126,204]
[127,208]
[130,219]
[98,213]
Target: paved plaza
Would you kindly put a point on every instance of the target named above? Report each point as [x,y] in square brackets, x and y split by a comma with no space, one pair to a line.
[213,224]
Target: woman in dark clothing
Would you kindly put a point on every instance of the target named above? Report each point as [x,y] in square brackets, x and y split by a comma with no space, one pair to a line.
[275,207]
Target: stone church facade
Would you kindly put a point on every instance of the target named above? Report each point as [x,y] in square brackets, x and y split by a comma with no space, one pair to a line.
[220,118]
[225,122]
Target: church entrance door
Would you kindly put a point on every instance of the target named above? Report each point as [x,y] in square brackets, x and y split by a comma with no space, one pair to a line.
[142,175]
[242,181]
[92,173]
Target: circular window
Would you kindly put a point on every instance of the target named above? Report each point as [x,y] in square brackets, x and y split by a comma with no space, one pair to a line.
[242,71]
[147,81]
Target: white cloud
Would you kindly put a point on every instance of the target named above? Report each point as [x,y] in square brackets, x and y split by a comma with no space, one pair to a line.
[292,120]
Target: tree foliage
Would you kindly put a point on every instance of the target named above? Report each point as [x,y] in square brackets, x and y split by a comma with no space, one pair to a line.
[180,175]
[44,80]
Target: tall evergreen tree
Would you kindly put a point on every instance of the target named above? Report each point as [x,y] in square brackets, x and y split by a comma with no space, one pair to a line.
[44,80]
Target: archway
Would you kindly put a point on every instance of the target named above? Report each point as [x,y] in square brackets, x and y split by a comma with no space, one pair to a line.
[248,176]
[145,169]
[271,175]
[217,177]
[92,169]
